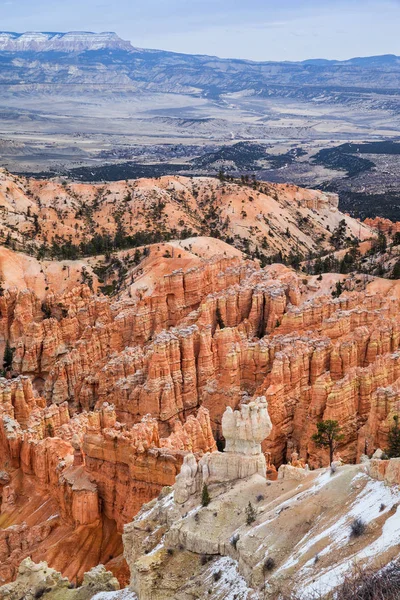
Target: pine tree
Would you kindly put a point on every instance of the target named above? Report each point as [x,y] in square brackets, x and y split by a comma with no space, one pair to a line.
[381,243]
[220,320]
[328,436]
[50,430]
[318,267]
[339,234]
[396,270]
[205,496]
[338,291]
[36,224]
[8,356]
[250,514]
[394,439]
[396,239]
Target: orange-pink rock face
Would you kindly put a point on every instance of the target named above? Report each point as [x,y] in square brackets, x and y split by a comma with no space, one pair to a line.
[383,225]
[66,478]
[105,396]
[73,213]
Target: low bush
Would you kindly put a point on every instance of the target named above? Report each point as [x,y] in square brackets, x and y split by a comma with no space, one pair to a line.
[269,565]
[250,514]
[367,585]
[363,585]
[357,527]
[205,496]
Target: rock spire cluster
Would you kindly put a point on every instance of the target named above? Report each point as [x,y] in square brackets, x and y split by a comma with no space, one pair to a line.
[106,399]
[243,430]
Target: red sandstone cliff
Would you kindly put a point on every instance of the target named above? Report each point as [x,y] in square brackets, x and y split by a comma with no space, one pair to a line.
[106,395]
[383,225]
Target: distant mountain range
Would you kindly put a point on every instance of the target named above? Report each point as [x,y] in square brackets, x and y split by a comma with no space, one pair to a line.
[86,41]
[104,59]
[74,41]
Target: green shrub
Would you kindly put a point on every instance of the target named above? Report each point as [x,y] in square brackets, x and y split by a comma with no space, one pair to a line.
[205,496]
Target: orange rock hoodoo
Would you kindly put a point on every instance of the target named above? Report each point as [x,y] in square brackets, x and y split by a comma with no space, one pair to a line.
[384,225]
[112,394]
[108,395]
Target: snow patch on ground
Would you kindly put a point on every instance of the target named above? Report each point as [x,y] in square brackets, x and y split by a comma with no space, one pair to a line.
[120,595]
[326,582]
[368,506]
[390,537]
[164,503]
[225,581]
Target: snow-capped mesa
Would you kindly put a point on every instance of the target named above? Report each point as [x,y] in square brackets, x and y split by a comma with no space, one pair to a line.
[74,41]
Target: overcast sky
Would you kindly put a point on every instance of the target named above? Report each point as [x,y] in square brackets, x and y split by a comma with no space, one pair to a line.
[254,29]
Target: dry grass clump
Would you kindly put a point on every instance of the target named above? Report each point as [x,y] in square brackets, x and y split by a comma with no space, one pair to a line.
[362,584]
[368,585]
[358,527]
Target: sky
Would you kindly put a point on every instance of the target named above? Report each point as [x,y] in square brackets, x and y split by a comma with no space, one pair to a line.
[252,29]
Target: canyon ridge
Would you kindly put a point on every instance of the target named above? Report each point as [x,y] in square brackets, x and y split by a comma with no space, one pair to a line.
[165,336]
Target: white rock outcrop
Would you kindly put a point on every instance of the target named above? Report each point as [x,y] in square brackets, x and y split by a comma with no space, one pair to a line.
[186,482]
[37,580]
[243,430]
[290,472]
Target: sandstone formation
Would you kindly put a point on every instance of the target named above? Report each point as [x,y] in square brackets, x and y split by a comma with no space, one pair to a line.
[105,397]
[71,463]
[384,469]
[116,392]
[296,469]
[40,581]
[383,225]
[299,539]
[243,431]
[261,217]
